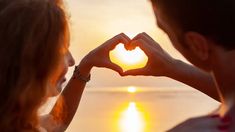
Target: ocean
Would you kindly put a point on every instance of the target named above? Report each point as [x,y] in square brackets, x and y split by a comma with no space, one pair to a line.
[143,109]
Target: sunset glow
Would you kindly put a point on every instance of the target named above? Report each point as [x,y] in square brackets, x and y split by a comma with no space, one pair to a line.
[132,120]
[128,59]
[131,89]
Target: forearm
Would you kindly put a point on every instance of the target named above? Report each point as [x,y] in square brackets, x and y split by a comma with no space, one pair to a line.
[195,78]
[68,102]
[71,95]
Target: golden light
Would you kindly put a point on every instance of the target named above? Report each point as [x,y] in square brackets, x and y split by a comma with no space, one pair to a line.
[128,59]
[132,119]
[131,89]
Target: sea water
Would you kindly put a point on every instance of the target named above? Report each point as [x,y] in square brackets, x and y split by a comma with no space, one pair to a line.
[144,110]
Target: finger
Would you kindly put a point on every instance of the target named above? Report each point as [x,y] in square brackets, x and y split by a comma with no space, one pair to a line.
[125,36]
[127,44]
[134,72]
[121,38]
[147,38]
[138,36]
[114,67]
[144,36]
[143,46]
[151,40]
[130,46]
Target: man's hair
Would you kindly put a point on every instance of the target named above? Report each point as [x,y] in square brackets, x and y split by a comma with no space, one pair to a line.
[214,19]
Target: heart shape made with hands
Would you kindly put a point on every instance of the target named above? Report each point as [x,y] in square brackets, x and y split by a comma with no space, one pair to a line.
[128,60]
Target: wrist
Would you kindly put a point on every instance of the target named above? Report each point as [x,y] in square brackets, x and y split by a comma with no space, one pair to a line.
[81,76]
[85,67]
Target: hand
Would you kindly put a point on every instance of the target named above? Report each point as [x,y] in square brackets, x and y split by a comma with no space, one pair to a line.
[99,57]
[159,62]
[202,124]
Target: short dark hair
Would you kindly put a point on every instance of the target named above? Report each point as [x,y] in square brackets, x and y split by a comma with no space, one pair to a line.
[214,19]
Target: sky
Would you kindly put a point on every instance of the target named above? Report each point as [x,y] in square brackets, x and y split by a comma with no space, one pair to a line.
[92,22]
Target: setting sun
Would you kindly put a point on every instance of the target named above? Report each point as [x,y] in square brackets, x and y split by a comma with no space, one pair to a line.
[131,89]
[128,59]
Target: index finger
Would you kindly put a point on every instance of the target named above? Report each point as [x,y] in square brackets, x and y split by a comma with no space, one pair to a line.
[143,46]
[147,38]
[121,38]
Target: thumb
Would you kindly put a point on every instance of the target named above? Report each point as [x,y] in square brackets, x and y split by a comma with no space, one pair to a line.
[134,72]
[114,67]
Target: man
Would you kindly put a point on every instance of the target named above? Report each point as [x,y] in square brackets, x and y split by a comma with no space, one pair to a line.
[203,31]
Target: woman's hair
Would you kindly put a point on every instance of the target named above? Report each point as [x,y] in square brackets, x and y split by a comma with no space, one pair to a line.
[31,36]
[214,19]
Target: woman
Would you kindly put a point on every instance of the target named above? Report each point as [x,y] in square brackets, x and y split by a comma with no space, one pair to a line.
[34,56]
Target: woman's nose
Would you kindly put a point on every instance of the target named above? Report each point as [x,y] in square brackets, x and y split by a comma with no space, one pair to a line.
[71,60]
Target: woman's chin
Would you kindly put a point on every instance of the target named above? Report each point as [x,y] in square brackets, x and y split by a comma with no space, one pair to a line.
[55,91]
[59,89]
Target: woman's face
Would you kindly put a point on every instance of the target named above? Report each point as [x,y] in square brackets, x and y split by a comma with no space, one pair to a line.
[66,61]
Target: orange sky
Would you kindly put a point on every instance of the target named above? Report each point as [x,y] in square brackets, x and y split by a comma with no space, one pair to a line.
[95,21]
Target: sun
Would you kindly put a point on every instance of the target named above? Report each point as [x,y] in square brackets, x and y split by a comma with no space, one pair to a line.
[131,89]
[128,59]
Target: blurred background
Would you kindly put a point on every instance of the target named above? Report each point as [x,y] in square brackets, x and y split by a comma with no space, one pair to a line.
[95,21]
[112,103]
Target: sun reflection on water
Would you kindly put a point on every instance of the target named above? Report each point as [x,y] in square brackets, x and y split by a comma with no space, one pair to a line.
[132,120]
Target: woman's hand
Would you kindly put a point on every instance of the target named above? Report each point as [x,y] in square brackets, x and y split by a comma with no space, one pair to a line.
[202,124]
[99,57]
[159,62]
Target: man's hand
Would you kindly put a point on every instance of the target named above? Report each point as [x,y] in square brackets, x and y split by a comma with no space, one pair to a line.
[159,62]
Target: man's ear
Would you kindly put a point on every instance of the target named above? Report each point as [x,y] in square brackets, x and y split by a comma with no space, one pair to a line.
[198,44]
